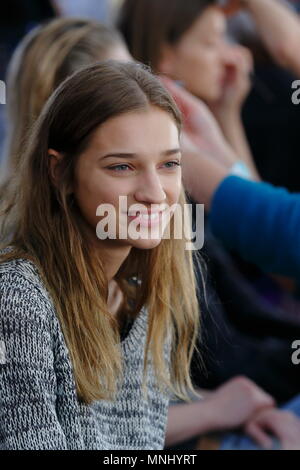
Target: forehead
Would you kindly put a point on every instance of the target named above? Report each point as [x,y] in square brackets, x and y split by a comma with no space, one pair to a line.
[211,21]
[142,131]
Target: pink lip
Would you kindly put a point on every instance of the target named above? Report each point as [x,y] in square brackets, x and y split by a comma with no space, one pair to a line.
[147,223]
[145,213]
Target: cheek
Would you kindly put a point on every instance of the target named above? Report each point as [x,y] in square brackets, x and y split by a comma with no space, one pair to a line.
[88,202]
[196,68]
[202,62]
[209,64]
[90,193]
[173,189]
[191,58]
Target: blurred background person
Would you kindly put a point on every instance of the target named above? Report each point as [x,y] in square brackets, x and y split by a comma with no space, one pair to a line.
[49,54]
[187,42]
[18,17]
[271,30]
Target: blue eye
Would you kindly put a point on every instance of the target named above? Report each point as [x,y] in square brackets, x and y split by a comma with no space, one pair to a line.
[119,167]
[173,164]
[124,167]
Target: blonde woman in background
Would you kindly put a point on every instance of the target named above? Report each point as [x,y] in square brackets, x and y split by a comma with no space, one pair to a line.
[43,59]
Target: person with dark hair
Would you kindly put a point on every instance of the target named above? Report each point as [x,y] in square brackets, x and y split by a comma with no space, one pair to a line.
[170,21]
[186,41]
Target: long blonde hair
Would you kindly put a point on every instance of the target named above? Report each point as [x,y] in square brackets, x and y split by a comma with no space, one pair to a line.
[45,229]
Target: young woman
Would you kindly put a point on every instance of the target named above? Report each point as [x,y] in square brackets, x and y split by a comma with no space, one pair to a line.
[88,325]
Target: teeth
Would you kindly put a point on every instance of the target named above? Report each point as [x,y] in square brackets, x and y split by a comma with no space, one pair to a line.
[151,217]
[146,216]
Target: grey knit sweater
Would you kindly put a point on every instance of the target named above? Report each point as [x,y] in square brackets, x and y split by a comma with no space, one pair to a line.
[39,408]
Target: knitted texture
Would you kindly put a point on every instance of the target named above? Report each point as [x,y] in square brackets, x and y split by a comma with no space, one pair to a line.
[39,408]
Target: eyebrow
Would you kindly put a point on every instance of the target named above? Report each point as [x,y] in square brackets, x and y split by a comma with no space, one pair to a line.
[166,153]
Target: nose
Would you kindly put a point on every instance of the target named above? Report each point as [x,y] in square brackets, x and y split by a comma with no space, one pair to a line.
[150,189]
[228,53]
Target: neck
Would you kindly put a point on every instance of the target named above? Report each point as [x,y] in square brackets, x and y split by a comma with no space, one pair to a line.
[112,257]
[112,253]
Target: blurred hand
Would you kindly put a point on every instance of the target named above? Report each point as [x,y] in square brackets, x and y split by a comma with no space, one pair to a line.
[201,132]
[282,424]
[237,81]
[234,403]
[231,6]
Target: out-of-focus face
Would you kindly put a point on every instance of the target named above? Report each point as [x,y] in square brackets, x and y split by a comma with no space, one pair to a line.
[198,59]
[135,155]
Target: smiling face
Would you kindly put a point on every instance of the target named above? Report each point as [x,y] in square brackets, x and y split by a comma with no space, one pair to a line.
[198,58]
[135,155]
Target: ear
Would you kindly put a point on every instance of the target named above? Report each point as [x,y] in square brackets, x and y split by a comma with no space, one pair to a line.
[54,159]
[166,64]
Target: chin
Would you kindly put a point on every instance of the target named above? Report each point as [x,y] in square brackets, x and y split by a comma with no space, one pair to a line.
[214,95]
[210,96]
[143,244]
